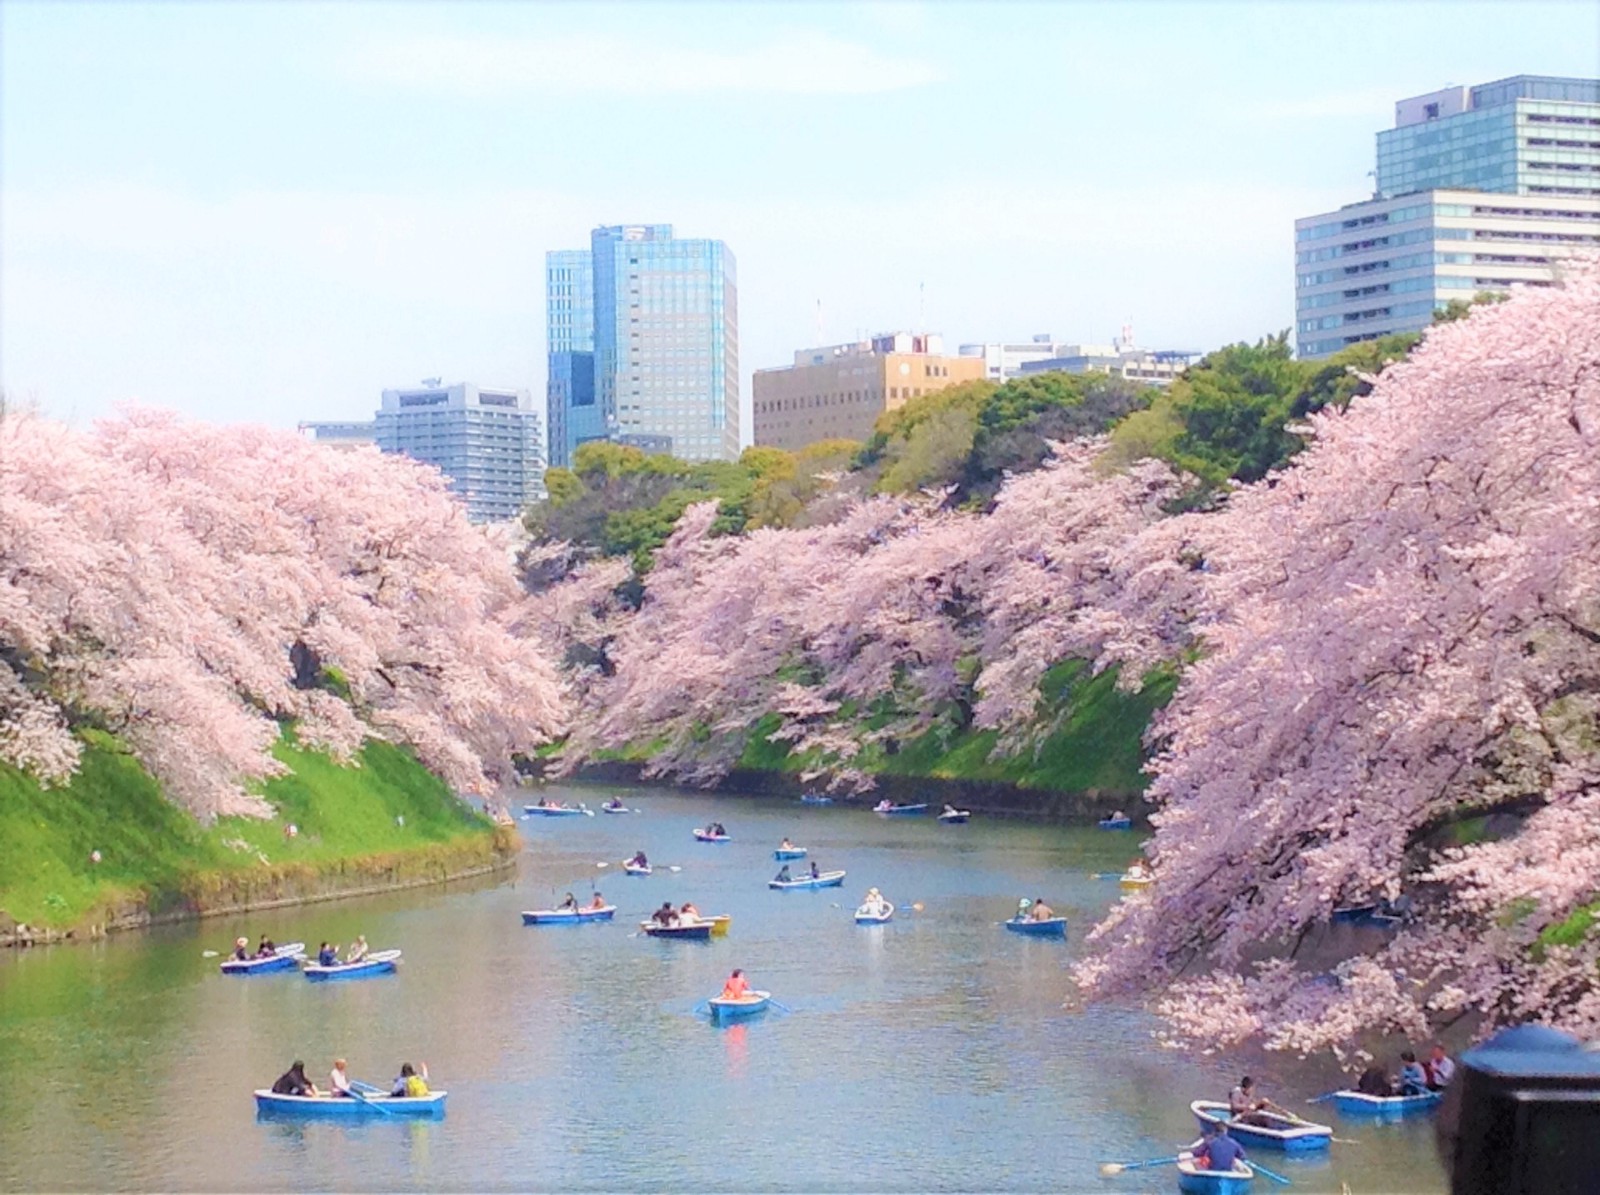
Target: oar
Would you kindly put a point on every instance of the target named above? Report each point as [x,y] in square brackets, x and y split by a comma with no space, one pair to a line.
[355,1090]
[780,1007]
[1110,1169]
[1323,1098]
[1260,1169]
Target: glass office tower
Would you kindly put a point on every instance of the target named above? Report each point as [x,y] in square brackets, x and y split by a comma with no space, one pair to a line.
[664,350]
[573,415]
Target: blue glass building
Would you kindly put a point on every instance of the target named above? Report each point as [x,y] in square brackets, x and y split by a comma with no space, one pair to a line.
[643,334]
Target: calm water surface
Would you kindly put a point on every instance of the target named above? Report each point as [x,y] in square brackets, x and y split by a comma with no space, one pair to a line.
[930,1054]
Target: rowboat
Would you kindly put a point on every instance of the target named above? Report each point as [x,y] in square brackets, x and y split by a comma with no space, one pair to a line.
[1355,914]
[269,1103]
[699,931]
[876,913]
[955,817]
[553,811]
[708,836]
[1133,883]
[1194,1181]
[568,916]
[615,809]
[636,869]
[789,852]
[815,799]
[828,879]
[749,1005]
[286,958]
[379,962]
[889,809]
[1115,823]
[1291,1136]
[1387,1107]
[1050,927]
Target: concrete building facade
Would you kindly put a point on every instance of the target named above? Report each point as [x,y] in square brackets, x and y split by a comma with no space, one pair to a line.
[644,342]
[1151,367]
[489,443]
[343,435]
[838,391]
[1003,361]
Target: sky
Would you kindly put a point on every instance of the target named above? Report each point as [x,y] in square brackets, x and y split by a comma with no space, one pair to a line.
[271,212]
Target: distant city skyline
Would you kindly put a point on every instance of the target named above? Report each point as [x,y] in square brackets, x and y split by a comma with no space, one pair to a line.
[270,212]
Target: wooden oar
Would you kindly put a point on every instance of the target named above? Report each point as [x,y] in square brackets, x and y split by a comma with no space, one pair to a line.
[355,1090]
[1260,1169]
[1109,1169]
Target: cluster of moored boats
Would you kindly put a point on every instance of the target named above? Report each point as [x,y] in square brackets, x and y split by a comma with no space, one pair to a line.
[292,957]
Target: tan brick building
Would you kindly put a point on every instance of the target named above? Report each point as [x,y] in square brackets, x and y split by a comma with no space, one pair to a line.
[840,390]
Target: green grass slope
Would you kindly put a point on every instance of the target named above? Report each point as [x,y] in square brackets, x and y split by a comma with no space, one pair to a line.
[147,845]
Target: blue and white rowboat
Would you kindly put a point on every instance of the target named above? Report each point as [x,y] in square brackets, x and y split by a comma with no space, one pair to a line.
[1194,1181]
[891,810]
[1050,927]
[955,817]
[1115,823]
[553,811]
[379,962]
[1291,1136]
[1385,1107]
[636,869]
[708,836]
[749,1005]
[815,799]
[789,852]
[615,809]
[828,879]
[875,914]
[286,958]
[271,1104]
[568,916]
[698,931]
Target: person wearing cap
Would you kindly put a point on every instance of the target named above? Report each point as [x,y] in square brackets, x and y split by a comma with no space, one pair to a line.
[338,1079]
[241,949]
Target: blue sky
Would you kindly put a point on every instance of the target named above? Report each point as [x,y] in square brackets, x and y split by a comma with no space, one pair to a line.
[270,212]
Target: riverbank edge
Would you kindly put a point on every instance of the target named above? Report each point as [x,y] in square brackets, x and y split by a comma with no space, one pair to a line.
[993,799]
[207,894]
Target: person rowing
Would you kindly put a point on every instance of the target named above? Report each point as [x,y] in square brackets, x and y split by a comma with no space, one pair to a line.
[815,874]
[267,948]
[737,987]
[339,1080]
[614,803]
[783,876]
[786,845]
[327,956]
[638,860]
[599,902]
[1217,1150]
[1041,911]
[570,903]
[666,915]
[1245,1107]
[874,902]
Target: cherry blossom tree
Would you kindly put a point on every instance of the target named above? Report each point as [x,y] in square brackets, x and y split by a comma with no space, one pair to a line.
[1397,696]
[187,586]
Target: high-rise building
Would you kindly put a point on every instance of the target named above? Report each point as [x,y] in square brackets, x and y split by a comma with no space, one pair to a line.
[646,349]
[1480,189]
[839,391]
[489,443]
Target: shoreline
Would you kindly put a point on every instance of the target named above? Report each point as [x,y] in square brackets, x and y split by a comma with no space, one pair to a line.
[207,894]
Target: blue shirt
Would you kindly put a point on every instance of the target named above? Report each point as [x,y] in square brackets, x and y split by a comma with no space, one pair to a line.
[326,958]
[1224,1151]
[1412,1074]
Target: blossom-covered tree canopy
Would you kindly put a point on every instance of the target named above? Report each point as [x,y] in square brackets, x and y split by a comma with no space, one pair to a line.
[1397,696]
[187,585]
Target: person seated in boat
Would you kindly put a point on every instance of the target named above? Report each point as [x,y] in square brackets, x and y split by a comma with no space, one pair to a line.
[599,902]
[1413,1075]
[1023,906]
[815,873]
[339,1080]
[358,950]
[1118,816]
[1374,1081]
[327,956]
[716,828]
[1440,1069]
[415,1085]
[638,860]
[1041,911]
[786,845]
[665,915]
[398,1088]
[614,803]
[1138,870]
[737,987]
[570,903]
[266,948]
[1246,1107]
[882,807]
[1218,1151]
[241,949]
[294,1082]
[783,876]
[688,915]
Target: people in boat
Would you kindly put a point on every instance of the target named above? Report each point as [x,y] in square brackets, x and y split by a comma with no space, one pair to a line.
[638,860]
[358,950]
[410,1084]
[737,987]
[339,1079]
[874,902]
[688,915]
[1413,1075]
[716,829]
[266,948]
[294,1082]
[614,803]
[665,915]
[398,1087]
[599,902]
[1245,1106]
[570,903]
[1138,870]
[241,949]
[882,807]
[1374,1081]
[1218,1151]
[1440,1068]
[786,845]
[1041,911]
[1118,816]
[327,956]
[815,874]
[950,810]
[783,876]
[1023,906]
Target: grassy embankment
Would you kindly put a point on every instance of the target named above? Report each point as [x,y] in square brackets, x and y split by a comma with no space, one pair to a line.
[154,853]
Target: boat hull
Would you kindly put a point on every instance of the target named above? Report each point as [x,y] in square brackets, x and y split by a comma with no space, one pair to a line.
[698,932]
[866,916]
[287,958]
[828,879]
[541,811]
[702,836]
[1054,927]
[1194,1181]
[568,916]
[901,811]
[346,1107]
[610,809]
[955,819]
[382,963]
[1115,823]
[1134,883]
[1386,1107]
[792,852]
[719,925]
[723,1011]
[810,800]
[635,870]
[1290,1137]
